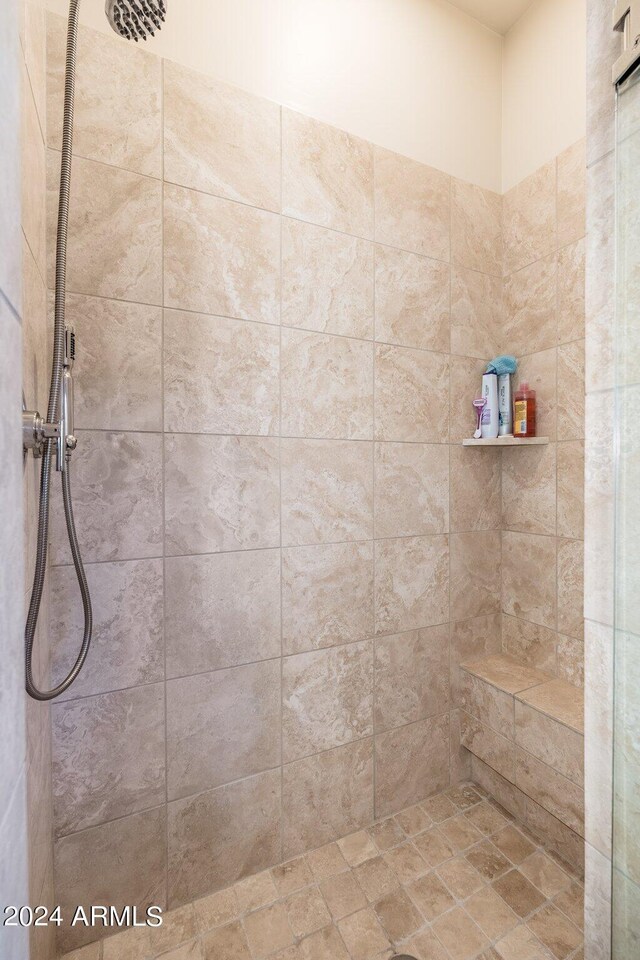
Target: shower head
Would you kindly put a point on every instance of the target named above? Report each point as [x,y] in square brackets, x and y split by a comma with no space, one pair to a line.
[135,19]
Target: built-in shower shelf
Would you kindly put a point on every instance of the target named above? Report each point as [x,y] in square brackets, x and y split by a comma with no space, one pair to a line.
[507,442]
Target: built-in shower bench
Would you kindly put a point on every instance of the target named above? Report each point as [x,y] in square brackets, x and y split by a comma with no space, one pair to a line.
[528,728]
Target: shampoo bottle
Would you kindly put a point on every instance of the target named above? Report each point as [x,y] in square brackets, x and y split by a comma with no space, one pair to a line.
[490,414]
[505,404]
[525,412]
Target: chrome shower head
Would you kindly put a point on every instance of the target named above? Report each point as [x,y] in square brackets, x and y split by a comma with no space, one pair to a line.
[135,19]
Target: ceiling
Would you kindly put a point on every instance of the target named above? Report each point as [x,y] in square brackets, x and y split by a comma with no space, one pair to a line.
[499,15]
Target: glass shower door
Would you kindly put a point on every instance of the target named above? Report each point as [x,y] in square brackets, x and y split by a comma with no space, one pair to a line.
[626,762]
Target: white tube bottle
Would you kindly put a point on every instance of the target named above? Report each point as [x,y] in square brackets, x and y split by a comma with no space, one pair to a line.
[491,413]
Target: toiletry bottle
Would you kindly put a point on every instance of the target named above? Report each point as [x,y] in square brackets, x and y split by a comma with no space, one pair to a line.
[505,404]
[525,412]
[490,414]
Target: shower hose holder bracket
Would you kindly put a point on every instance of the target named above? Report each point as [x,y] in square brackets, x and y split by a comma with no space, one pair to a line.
[36,431]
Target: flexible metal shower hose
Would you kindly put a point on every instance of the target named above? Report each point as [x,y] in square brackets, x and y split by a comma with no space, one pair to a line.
[54,405]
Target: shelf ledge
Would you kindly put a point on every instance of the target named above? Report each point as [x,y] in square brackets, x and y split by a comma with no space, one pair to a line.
[507,442]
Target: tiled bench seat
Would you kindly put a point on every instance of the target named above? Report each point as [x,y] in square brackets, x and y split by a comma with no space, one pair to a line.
[529,729]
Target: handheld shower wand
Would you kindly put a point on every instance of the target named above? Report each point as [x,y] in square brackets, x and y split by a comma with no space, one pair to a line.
[133,20]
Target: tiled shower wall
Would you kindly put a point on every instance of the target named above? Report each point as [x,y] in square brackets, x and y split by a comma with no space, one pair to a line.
[280,328]
[35,381]
[542,487]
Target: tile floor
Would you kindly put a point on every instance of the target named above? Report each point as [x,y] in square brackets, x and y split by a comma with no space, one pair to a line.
[452,878]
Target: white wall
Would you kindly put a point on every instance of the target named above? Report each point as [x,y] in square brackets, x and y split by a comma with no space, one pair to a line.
[544,86]
[416,76]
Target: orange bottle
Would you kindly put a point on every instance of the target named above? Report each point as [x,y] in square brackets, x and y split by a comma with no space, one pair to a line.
[524,421]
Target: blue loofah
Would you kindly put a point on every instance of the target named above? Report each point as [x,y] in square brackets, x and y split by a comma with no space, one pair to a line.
[504,364]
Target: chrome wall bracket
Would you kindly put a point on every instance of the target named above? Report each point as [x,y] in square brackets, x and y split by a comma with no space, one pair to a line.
[35,431]
[626,20]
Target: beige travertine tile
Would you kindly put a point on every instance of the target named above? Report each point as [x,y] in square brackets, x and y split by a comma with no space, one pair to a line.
[412,589]
[363,935]
[412,205]
[221,493]
[138,879]
[600,472]
[570,463]
[433,847]
[326,385]
[465,795]
[513,844]
[226,943]
[601,260]
[539,369]
[552,742]
[209,845]
[292,876]
[556,932]
[477,321]
[327,491]
[487,860]
[112,210]
[425,944]
[327,175]
[327,699]
[256,891]
[413,820]
[376,878]
[188,951]
[327,280]
[221,610]
[474,574]
[126,644]
[327,595]
[398,915]
[571,391]
[521,944]
[471,639]
[357,848]
[232,266]
[411,763]
[518,893]
[216,910]
[559,796]
[508,799]
[530,307]
[267,930]
[439,808]
[325,944]
[339,783]
[571,587]
[487,703]
[570,654]
[220,375]
[491,913]
[103,131]
[406,862]
[411,489]
[388,833]
[411,395]
[127,945]
[571,292]
[529,643]
[220,139]
[411,677]
[559,700]
[545,874]
[486,818]
[343,895]
[529,211]
[412,300]
[529,577]
[122,473]
[490,746]
[307,912]
[465,383]
[476,227]
[33,210]
[326,862]
[430,896]
[475,489]
[529,490]
[459,934]
[460,833]
[505,672]
[572,170]
[571,902]
[93,736]
[177,927]
[118,381]
[222,726]
[93,951]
